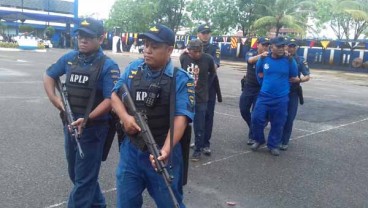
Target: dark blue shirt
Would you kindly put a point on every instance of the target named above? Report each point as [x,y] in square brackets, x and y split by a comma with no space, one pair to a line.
[251,76]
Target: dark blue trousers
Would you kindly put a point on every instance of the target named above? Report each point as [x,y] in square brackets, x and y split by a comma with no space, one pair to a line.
[199,125]
[274,109]
[247,102]
[210,112]
[86,192]
[135,173]
[292,111]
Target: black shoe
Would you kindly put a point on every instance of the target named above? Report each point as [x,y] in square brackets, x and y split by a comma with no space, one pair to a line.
[206,151]
[250,142]
[192,145]
[284,147]
[275,152]
[196,156]
[255,146]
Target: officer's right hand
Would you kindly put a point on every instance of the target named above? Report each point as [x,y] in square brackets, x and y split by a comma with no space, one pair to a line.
[130,125]
[264,54]
[56,101]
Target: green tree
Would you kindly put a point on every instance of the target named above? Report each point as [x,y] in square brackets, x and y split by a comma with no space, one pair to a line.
[25,29]
[347,18]
[138,15]
[284,13]
[49,32]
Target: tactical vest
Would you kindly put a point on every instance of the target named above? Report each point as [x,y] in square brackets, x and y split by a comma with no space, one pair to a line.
[158,117]
[295,86]
[80,82]
[251,76]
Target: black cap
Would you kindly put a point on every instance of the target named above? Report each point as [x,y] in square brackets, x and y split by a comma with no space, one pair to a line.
[91,26]
[279,41]
[161,34]
[195,44]
[204,28]
[292,42]
[263,40]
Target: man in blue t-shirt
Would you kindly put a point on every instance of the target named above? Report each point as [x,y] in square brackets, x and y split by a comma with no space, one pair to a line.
[250,85]
[275,73]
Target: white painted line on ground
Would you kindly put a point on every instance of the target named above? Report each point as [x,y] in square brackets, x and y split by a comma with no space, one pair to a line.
[239,153]
[64,202]
[299,137]
[302,130]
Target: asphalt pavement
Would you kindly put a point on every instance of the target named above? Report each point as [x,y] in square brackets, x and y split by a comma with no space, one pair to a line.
[325,165]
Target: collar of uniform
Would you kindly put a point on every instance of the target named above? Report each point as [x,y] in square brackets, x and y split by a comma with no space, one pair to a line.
[91,58]
[169,68]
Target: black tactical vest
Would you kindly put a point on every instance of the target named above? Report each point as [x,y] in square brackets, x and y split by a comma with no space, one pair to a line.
[80,82]
[251,76]
[158,117]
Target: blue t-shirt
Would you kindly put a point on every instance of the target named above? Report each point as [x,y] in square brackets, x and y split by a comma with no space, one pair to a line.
[276,74]
[184,85]
[109,75]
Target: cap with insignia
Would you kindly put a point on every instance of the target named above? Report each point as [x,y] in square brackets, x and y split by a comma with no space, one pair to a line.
[91,26]
[160,33]
[204,28]
[292,42]
[263,40]
[278,41]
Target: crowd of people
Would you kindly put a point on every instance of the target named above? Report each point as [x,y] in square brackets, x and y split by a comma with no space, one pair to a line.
[170,98]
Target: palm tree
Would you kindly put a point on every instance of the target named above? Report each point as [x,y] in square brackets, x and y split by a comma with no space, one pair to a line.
[283,13]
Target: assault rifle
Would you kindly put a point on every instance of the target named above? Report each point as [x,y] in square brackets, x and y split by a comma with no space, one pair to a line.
[149,140]
[68,117]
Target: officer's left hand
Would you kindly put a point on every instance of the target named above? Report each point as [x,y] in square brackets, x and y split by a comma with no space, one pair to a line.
[164,156]
[78,123]
[294,79]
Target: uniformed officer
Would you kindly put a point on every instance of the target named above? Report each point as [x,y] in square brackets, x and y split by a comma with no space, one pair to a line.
[274,72]
[202,67]
[85,69]
[295,92]
[204,34]
[250,85]
[135,171]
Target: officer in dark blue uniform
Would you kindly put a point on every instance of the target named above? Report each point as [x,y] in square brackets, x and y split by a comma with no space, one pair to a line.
[204,34]
[81,70]
[250,85]
[274,73]
[296,93]
[136,171]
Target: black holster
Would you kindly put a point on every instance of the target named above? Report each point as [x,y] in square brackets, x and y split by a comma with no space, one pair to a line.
[185,148]
[300,95]
[114,128]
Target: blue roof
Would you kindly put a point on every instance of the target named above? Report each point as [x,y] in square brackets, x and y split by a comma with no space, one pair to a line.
[11,16]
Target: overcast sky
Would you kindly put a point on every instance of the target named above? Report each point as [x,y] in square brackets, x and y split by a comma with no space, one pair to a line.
[97,8]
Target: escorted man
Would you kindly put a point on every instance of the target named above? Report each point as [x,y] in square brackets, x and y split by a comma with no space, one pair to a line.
[90,78]
[202,66]
[250,85]
[136,171]
[204,34]
[275,72]
[296,93]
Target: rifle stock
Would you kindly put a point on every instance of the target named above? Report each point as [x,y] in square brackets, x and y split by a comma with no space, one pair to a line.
[73,130]
[149,140]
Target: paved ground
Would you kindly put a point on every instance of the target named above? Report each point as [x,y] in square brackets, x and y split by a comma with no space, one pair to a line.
[326,165]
